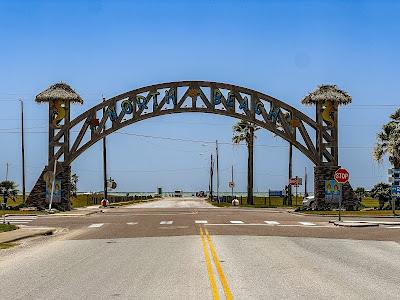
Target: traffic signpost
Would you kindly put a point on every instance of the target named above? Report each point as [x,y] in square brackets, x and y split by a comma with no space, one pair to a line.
[394,178]
[341,176]
[296,182]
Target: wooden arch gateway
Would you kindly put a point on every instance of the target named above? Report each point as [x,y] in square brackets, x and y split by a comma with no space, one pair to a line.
[317,139]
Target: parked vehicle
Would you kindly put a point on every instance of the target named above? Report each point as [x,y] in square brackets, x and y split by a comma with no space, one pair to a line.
[178,193]
[309,203]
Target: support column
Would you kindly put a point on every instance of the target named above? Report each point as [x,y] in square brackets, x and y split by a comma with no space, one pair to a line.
[322,173]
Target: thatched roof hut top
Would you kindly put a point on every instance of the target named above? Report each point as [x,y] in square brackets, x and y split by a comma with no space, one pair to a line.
[59,91]
[327,92]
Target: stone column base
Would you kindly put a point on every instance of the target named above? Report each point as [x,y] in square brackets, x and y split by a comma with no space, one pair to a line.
[37,197]
[322,173]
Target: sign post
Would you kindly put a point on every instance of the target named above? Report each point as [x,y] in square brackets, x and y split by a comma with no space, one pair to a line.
[341,176]
[395,189]
[296,181]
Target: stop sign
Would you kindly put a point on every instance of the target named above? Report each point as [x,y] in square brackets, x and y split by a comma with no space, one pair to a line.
[342,176]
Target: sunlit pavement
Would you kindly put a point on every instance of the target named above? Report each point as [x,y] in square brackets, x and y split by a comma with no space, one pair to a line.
[178,250]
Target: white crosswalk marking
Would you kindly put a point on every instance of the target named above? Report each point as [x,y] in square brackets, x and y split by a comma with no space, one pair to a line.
[132,223]
[271,222]
[98,225]
[201,222]
[21,219]
[393,227]
[307,223]
[236,222]
[166,222]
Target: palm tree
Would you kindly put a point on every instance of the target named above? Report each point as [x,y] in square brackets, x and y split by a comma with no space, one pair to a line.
[7,189]
[381,191]
[244,131]
[388,141]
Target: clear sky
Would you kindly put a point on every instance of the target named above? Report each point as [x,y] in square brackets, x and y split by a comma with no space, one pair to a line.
[282,48]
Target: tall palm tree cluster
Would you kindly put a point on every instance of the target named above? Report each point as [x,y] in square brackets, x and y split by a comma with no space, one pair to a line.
[388,141]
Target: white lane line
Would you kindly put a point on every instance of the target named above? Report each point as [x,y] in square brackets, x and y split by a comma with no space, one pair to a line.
[132,223]
[18,222]
[289,225]
[237,222]
[201,222]
[166,222]
[393,227]
[271,222]
[98,225]
[307,223]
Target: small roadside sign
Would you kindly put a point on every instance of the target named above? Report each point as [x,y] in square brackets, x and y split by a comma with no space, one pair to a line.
[342,176]
[395,190]
[296,181]
[231,184]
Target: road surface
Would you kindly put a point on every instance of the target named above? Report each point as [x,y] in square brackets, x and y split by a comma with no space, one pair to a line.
[159,252]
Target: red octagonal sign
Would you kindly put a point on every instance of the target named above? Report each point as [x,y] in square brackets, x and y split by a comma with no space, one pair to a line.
[342,176]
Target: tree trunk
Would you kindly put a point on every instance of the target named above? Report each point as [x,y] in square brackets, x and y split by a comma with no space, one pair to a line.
[250,165]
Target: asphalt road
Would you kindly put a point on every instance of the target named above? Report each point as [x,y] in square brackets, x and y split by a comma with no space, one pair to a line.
[170,252]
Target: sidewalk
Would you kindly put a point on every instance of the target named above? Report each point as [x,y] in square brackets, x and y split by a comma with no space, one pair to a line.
[24,232]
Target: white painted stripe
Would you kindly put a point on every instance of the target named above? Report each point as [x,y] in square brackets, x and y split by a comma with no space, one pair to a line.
[237,222]
[393,227]
[201,222]
[96,225]
[31,219]
[271,222]
[288,225]
[166,222]
[307,223]
[132,223]
[9,219]
[16,222]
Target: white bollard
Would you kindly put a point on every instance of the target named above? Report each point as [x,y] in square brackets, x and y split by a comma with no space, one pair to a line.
[235,202]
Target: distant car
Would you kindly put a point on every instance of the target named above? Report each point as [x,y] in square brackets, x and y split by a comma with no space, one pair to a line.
[309,203]
[178,193]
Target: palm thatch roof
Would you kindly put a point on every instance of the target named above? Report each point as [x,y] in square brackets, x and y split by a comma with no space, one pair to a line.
[327,92]
[59,91]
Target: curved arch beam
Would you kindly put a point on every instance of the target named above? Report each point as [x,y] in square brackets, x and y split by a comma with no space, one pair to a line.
[189,96]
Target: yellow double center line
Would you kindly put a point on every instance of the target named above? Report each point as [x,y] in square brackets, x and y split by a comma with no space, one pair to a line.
[217,263]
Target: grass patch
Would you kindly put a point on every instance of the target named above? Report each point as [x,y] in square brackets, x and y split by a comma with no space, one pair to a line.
[18,212]
[370,202]
[6,227]
[7,245]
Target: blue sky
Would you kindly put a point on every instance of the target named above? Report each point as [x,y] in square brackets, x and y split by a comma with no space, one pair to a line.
[282,48]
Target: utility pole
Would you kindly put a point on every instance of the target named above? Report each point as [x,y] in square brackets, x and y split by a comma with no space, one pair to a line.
[211,177]
[23,151]
[6,171]
[290,174]
[216,149]
[232,182]
[105,161]
[305,182]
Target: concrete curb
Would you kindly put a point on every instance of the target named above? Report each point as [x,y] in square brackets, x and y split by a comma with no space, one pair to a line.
[23,233]
[345,216]
[355,224]
[77,214]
